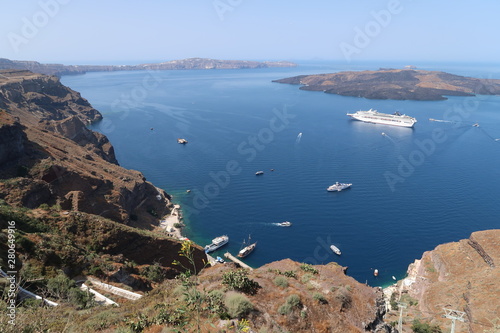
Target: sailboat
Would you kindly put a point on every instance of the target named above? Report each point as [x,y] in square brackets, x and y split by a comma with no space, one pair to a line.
[247,249]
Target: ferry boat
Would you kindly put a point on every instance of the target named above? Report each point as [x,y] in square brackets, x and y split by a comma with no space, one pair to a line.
[338,187]
[247,250]
[284,224]
[217,242]
[335,249]
[372,116]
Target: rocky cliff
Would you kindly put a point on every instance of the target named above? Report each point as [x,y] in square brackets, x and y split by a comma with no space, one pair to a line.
[60,161]
[398,84]
[463,276]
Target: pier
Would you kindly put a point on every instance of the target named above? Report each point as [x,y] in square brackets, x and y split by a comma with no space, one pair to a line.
[236,260]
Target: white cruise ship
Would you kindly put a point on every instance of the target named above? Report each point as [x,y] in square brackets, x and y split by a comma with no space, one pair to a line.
[372,116]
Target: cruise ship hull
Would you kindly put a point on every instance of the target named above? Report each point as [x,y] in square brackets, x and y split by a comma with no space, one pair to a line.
[375,117]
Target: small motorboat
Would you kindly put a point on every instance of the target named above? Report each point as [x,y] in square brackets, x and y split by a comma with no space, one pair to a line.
[375,272]
[258,173]
[284,224]
[335,249]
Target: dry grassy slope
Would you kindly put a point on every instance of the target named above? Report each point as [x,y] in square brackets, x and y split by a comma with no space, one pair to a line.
[64,162]
[350,306]
[464,276]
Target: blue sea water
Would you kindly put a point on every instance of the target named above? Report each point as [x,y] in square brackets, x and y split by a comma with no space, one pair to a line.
[412,188]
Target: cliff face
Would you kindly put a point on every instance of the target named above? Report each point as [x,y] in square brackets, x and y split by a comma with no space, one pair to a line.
[462,276]
[60,160]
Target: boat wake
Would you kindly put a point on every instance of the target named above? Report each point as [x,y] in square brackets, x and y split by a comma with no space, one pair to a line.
[440,121]
[299,137]
[389,138]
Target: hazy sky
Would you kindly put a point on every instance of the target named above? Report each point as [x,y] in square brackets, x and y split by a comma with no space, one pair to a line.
[129,31]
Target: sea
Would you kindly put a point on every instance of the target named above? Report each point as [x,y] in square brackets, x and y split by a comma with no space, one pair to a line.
[413,188]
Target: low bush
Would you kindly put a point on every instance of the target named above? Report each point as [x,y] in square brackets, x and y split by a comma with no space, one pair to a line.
[237,305]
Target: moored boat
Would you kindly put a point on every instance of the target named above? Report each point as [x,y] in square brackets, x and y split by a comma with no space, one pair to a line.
[217,242]
[247,250]
[335,249]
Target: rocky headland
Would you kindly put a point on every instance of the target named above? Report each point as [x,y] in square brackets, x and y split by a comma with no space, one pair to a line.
[397,84]
[191,63]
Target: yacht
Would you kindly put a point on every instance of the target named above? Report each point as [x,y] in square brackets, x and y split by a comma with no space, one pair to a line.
[372,116]
[338,187]
[258,173]
[216,243]
[182,141]
[284,224]
[335,249]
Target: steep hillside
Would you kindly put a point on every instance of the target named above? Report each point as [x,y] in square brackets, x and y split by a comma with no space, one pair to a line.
[59,161]
[463,276]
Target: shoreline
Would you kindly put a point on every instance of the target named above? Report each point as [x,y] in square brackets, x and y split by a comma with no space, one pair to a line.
[168,223]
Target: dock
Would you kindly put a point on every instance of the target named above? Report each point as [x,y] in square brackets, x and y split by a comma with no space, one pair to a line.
[236,260]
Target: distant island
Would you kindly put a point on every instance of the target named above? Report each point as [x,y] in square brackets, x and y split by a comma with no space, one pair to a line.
[398,84]
[191,63]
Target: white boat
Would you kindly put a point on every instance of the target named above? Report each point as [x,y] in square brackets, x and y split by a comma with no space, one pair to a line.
[372,116]
[217,242]
[284,224]
[247,250]
[335,249]
[338,187]
[182,141]
[259,173]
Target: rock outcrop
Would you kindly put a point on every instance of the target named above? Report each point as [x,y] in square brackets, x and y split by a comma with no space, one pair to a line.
[60,161]
[398,84]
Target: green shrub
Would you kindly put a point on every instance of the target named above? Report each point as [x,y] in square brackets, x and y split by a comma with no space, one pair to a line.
[320,298]
[419,327]
[237,305]
[290,274]
[309,268]
[293,300]
[44,206]
[281,281]
[285,309]
[154,273]
[238,280]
